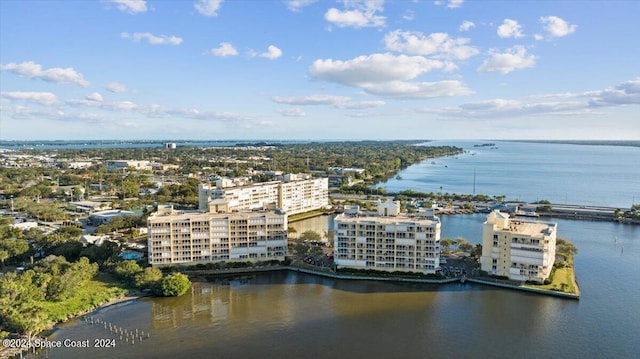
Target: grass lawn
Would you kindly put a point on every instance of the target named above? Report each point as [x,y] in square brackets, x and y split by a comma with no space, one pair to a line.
[562,282]
[86,297]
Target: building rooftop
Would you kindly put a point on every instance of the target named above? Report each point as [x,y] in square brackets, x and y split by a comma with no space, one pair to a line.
[389,219]
[529,228]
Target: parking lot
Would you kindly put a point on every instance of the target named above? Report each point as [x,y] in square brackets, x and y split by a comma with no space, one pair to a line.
[454,265]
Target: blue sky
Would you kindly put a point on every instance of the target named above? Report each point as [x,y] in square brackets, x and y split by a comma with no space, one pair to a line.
[304,69]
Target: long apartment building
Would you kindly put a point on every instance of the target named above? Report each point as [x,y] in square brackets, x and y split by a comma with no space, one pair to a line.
[387,241]
[294,194]
[177,237]
[519,249]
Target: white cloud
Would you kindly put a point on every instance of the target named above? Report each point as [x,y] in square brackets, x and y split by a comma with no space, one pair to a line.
[343,102]
[311,100]
[511,108]
[116,87]
[130,6]
[158,111]
[510,28]
[418,90]
[297,5]
[451,4]
[152,39]
[292,112]
[272,53]
[573,104]
[387,75]
[92,101]
[94,97]
[121,106]
[359,105]
[372,68]
[208,7]
[556,27]
[439,44]
[409,15]
[225,49]
[515,58]
[41,98]
[56,74]
[55,114]
[466,26]
[357,14]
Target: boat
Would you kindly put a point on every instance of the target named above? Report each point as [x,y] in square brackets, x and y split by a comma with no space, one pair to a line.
[398,177]
[463,279]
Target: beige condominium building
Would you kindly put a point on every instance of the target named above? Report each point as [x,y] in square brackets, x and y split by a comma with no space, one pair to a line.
[519,249]
[177,237]
[387,240]
[294,194]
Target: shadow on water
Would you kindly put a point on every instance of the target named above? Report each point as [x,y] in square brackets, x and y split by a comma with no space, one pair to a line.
[347,285]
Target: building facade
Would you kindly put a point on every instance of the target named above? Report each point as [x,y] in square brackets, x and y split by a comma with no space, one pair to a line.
[387,241]
[294,194]
[521,250]
[177,237]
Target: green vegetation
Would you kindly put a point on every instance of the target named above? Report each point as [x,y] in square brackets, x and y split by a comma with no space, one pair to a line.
[562,277]
[543,206]
[173,285]
[51,290]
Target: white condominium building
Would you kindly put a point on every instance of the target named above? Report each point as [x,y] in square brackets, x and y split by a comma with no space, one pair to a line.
[387,241]
[518,249]
[177,237]
[294,194]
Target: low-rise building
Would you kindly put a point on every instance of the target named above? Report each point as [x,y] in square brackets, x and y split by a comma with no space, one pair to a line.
[519,249]
[121,165]
[180,237]
[387,241]
[102,217]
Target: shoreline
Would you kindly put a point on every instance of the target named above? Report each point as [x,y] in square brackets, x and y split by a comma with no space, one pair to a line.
[9,352]
[332,275]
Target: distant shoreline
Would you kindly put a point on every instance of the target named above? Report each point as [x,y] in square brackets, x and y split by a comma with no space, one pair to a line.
[629,143]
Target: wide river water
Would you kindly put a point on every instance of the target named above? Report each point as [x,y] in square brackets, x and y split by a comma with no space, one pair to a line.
[290,315]
[560,173]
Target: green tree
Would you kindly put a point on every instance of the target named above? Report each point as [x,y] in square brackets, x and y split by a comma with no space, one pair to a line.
[466,247]
[127,269]
[477,251]
[70,250]
[446,243]
[312,236]
[148,278]
[4,255]
[565,248]
[300,248]
[173,285]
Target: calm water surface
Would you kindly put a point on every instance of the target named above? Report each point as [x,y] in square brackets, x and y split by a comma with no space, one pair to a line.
[560,173]
[287,315]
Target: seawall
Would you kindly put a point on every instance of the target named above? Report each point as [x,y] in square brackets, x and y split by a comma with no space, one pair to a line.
[233,271]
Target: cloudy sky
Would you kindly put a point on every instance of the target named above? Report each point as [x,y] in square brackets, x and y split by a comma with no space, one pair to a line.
[306,69]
